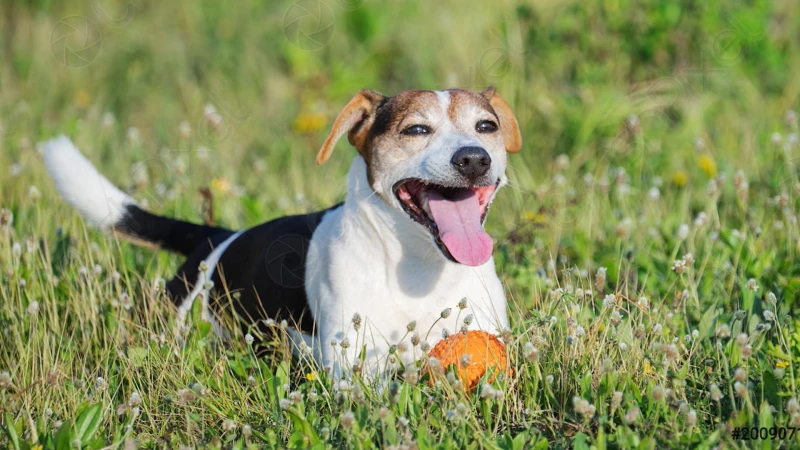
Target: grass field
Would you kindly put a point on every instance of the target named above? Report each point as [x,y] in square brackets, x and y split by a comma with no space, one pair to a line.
[648,239]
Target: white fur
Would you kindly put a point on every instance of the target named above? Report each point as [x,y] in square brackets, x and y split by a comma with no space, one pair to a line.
[201,287]
[370,258]
[98,201]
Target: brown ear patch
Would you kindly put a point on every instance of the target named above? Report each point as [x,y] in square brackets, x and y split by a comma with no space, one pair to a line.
[508,123]
[355,119]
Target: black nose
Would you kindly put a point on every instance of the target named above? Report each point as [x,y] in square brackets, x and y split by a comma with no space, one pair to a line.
[471,162]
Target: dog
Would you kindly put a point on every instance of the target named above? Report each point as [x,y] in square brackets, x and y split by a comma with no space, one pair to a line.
[367,283]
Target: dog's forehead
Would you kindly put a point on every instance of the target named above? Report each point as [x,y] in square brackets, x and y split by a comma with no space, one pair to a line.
[453,102]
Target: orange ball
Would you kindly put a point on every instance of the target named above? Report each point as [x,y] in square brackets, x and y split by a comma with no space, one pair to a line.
[473,353]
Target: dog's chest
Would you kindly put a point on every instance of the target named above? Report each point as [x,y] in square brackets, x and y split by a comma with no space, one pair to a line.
[389,287]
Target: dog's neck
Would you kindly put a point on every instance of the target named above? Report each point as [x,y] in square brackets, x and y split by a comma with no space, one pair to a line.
[369,215]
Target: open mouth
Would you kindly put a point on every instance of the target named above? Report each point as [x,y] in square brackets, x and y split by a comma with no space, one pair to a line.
[453,215]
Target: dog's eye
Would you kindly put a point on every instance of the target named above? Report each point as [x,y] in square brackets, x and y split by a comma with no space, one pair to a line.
[486,126]
[416,130]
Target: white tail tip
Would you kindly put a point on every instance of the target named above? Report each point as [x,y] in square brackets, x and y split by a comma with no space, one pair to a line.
[82,186]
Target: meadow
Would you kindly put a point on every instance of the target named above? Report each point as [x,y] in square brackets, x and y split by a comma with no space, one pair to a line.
[648,238]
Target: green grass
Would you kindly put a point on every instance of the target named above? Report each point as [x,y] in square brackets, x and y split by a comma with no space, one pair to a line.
[652,130]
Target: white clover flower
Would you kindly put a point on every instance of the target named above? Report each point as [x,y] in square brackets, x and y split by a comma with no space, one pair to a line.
[33,308]
[632,415]
[609,301]
[531,352]
[714,392]
[740,389]
[5,380]
[683,231]
[752,285]
[228,425]
[249,338]
[769,316]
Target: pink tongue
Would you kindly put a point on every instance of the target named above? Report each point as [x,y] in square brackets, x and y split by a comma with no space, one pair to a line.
[459,222]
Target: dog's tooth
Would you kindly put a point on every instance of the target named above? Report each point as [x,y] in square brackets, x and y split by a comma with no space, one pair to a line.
[425,204]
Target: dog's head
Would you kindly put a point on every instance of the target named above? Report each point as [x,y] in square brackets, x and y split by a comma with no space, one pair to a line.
[438,156]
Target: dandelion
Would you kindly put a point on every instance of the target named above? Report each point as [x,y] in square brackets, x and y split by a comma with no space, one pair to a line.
[752,285]
[680,178]
[695,334]
[706,163]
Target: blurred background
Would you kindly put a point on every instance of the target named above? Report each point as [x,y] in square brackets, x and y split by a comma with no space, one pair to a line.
[170,98]
[659,160]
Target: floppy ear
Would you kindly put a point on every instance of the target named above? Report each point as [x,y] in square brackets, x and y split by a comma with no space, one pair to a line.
[508,123]
[355,120]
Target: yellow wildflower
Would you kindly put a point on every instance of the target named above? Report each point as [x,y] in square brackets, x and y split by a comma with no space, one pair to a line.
[308,122]
[311,376]
[680,178]
[82,98]
[220,185]
[782,364]
[648,368]
[706,164]
[537,218]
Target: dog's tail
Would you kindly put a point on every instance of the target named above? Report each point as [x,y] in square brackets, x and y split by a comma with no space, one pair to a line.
[106,207]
